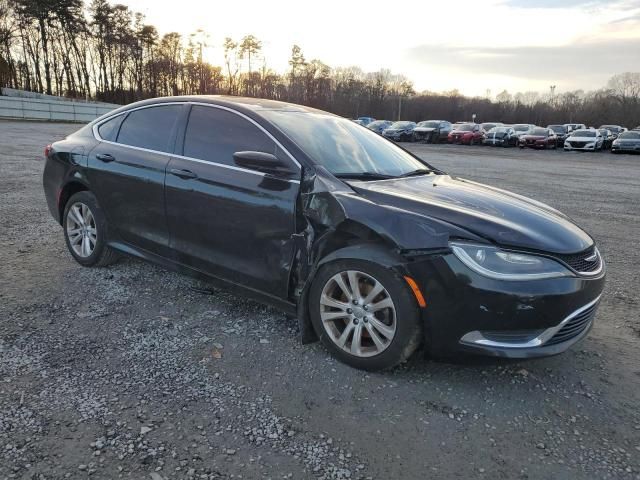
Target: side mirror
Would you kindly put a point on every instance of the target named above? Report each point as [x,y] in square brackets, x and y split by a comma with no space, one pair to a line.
[262,162]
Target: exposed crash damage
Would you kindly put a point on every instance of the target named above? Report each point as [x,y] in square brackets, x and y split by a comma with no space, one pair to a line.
[341,224]
[375,250]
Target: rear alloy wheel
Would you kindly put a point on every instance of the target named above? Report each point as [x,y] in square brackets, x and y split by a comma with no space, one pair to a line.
[364,314]
[81,230]
[85,231]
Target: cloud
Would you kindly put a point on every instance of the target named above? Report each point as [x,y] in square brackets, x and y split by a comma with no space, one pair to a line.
[581,63]
[550,3]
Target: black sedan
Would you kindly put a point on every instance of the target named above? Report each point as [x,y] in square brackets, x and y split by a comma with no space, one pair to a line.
[500,136]
[627,142]
[561,131]
[400,131]
[372,249]
[379,126]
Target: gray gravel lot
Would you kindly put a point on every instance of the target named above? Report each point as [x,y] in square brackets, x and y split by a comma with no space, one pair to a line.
[135,372]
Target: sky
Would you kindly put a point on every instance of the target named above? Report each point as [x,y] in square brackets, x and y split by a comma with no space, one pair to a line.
[470,45]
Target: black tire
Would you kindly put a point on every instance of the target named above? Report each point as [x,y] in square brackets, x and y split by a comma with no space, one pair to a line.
[102,255]
[408,334]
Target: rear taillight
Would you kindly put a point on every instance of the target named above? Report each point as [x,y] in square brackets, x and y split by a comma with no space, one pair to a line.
[47,150]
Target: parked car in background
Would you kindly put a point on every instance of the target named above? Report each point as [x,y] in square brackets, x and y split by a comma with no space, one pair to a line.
[608,138]
[400,131]
[627,142]
[358,121]
[500,137]
[379,126]
[432,131]
[584,139]
[366,120]
[561,131]
[489,125]
[571,127]
[523,128]
[614,129]
[466,134]
[538,138]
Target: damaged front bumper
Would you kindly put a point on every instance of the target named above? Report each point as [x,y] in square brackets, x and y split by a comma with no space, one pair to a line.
[468,313]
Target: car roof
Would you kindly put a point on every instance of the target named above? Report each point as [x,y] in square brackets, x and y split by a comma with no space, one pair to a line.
[242,104]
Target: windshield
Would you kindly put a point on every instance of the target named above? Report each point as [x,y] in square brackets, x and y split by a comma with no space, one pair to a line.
[464,127]
[429,124]
[488,126]
[342,147]
[402,125]
[543,132]
[612,128]
[557,128]
[584,133]
[498,130]
[630,135]
[521,128]
[378,123]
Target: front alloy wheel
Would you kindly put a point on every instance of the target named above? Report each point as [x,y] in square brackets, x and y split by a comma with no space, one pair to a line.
[358,313]
[365,314]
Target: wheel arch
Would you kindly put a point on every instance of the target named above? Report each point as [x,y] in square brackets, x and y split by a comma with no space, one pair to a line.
[349,240]
[69,189]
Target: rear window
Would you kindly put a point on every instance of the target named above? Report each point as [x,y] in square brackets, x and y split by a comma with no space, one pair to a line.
[150,128]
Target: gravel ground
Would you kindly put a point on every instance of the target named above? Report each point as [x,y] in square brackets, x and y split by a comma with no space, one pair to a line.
[134,372]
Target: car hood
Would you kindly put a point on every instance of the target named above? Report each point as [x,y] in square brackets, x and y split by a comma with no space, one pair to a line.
[392,131]
[496,134]
[534,137]
[500,216]
[582,139]
[460,132]
[424,129]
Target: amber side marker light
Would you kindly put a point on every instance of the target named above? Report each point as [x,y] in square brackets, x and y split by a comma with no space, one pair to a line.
[416,291]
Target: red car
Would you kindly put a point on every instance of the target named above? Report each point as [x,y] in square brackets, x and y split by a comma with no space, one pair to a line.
[539,138]
[465,133]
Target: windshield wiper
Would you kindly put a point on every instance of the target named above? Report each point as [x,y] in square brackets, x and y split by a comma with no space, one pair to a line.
[364,176]
[413,173]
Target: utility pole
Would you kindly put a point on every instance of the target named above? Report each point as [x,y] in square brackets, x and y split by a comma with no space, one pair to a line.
[553,91]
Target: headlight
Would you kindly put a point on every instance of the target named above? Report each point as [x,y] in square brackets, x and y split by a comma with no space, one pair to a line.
[495,263]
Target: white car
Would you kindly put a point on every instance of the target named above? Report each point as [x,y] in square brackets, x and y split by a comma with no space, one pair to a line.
[585,139]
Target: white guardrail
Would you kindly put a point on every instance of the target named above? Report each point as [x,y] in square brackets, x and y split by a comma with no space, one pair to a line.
[54,109]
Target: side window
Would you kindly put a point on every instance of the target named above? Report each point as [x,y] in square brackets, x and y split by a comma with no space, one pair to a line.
[109,129]
[150,127]
[214,135]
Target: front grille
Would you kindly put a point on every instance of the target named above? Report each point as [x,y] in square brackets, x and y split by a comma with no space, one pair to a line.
[575,326]
[579,262]
[577,144]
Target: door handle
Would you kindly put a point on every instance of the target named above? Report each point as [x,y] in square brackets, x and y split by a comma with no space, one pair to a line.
[105,157]
[186,174]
